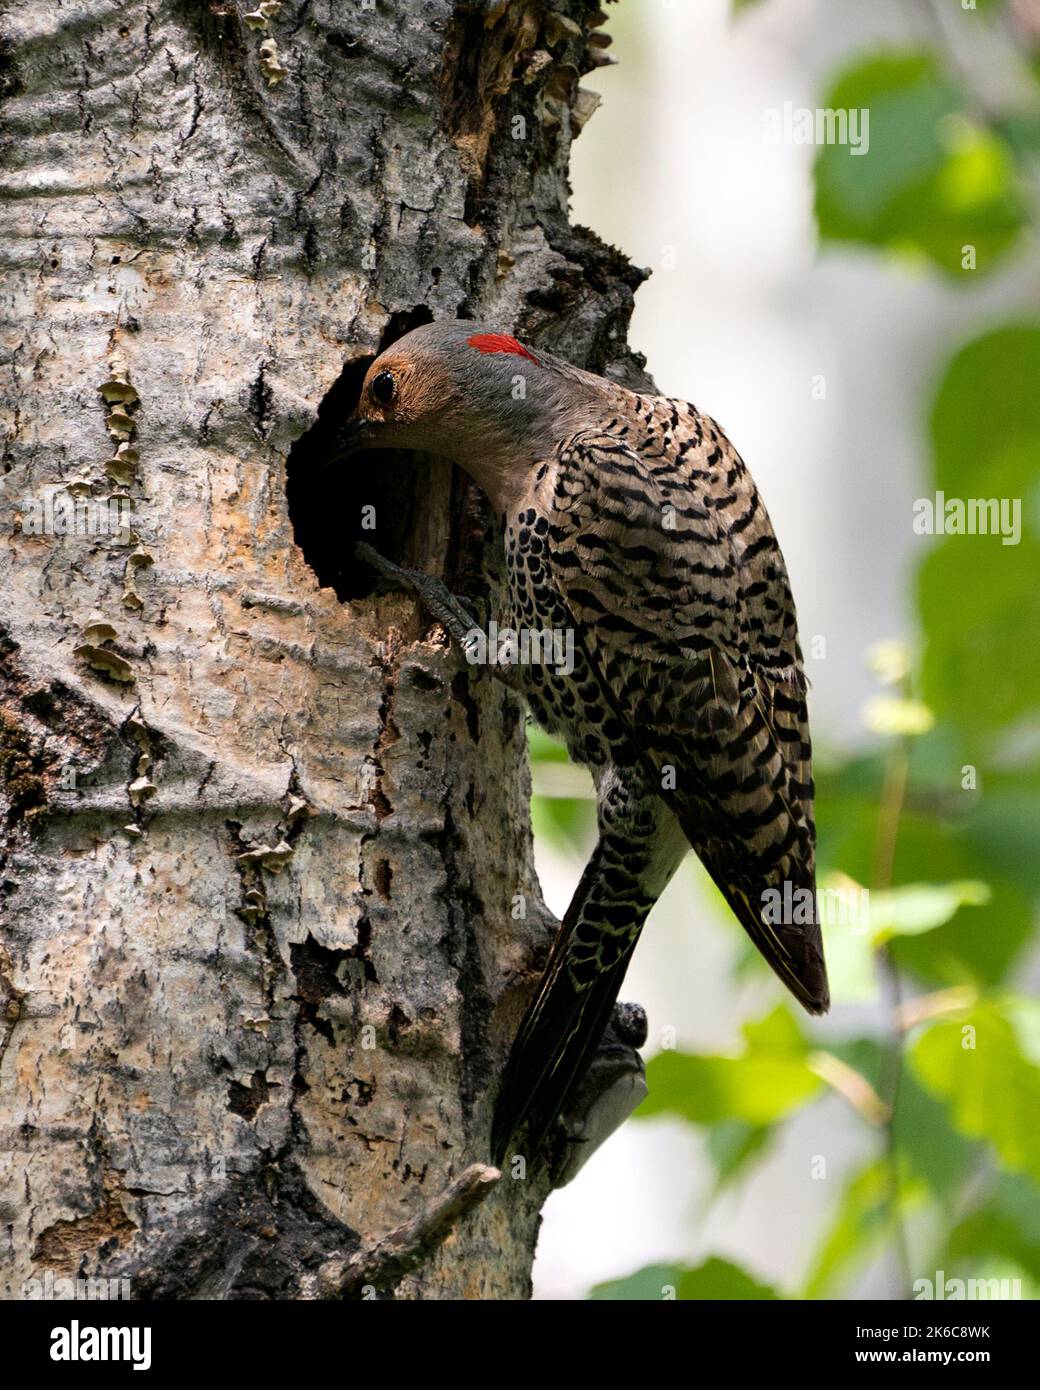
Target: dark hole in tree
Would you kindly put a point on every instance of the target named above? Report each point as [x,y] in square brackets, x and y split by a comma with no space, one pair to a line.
[327,501]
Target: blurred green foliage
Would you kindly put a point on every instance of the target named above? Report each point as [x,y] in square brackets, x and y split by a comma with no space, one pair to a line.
[760,1085]
[714,1279]
[933,180]
[982,653]
[985,1066]
[940,822]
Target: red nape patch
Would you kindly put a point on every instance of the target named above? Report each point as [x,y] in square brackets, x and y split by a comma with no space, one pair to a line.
[500,342]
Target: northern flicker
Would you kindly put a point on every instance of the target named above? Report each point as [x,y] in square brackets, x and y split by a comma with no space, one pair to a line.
[631,522]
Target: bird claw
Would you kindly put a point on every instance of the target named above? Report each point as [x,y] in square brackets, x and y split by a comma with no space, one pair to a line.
[432,593]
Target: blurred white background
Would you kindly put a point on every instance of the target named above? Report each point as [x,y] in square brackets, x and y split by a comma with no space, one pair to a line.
[740,315]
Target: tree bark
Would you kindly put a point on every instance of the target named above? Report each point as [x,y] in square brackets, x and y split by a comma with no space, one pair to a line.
[265,835]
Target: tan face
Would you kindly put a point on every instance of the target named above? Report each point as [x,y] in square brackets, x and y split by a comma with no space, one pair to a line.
[398,394]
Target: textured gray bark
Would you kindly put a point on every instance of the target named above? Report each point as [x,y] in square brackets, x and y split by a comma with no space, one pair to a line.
[258,963]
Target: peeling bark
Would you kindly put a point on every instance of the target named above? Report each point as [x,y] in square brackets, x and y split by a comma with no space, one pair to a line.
[262,829]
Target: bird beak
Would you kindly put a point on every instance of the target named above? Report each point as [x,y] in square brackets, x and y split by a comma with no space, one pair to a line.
[352,438]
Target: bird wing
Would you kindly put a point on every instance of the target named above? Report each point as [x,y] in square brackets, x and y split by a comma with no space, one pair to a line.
[667,562]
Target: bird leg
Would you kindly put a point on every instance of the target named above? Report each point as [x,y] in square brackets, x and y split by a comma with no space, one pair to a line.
[433,593]
[449,610]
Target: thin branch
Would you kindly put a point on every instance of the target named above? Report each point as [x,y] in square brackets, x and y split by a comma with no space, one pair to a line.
[387,1260]
[890,811]
[850,1084]
[937,1005]
[893,796]
[888,1088]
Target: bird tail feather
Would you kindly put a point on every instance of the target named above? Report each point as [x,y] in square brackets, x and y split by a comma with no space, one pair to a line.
[793,949]
[560,1032]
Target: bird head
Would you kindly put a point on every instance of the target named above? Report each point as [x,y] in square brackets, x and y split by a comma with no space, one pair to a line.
[478,397]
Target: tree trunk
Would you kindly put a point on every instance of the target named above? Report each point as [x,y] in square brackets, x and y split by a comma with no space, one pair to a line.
[266,836]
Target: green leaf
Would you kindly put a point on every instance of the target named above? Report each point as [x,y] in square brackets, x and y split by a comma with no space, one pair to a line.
[1002,830]
[985,421]
[973,948]
[931,181]
[982,658]
[706,1090]
[714,1279]
[985,1066]
[981,664]
[776,1032]
[921,907]
[760,1086]
[652,1283]
[852,932]
[1006,1226]
[948,833]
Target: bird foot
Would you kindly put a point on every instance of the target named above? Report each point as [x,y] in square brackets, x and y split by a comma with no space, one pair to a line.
[432,593]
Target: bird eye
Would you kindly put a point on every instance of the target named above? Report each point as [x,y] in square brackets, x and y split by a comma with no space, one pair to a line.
[383,388]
